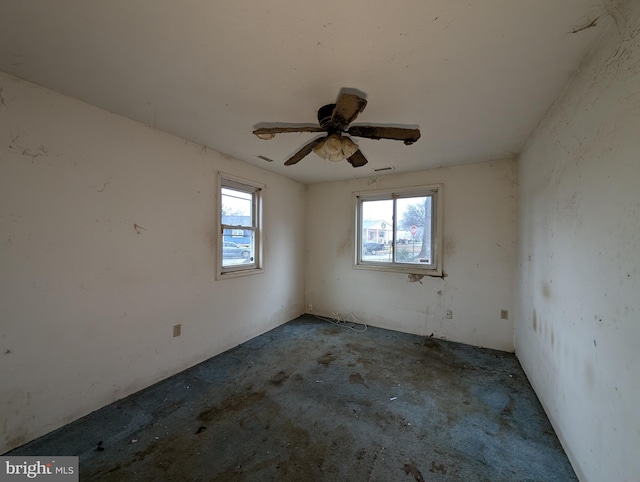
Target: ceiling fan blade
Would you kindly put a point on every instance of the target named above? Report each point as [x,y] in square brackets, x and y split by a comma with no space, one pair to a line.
[347,109]
[409,136]
[357,159]
[270,132]
[297,157]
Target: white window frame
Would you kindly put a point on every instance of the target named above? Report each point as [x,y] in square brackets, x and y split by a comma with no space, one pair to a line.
[256,189]
[434,268]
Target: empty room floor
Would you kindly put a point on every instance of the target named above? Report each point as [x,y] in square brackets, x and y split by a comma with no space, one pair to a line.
[311,400]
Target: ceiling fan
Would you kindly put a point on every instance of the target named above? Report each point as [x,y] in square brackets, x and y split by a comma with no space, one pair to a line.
[334,119]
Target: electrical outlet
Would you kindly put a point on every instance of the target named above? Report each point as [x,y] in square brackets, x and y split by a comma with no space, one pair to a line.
[177,330]
[504,314]
[449,314]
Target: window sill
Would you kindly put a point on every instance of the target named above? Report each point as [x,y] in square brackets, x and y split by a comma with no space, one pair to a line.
[239,273]
[433,272]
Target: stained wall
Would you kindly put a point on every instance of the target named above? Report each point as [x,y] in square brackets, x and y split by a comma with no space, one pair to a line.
[108,238]
[578,295]
[478,257]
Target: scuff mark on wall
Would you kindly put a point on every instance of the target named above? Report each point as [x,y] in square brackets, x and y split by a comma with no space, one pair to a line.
[546,291]
[212,237]
[104,186]
[1,97]
[449,246]
[590,374]
[344,246]
[17,441]
[138,228]
[591,24]
[41,151]
[415,278]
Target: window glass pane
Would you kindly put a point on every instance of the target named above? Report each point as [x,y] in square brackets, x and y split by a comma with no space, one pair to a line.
[237,204]
[237,250]
[377,230]
[413,232]
[240,236]
[238,246]
[400,230]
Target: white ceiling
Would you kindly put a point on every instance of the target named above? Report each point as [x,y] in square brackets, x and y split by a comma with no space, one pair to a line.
[476,76]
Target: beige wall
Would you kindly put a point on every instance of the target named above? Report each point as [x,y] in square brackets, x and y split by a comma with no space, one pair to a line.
[578,296]
[479,258]
[87,304]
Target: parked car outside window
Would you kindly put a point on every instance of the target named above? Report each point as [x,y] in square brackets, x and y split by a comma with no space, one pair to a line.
[233,250]
[372,247]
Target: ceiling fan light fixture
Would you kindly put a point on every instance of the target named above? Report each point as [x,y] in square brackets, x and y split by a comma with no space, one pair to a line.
[266,136]
[332,146]
[349,147]
[319,150]
[336,148]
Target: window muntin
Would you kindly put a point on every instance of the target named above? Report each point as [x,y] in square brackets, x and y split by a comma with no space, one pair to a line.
[239,241]
[400,230]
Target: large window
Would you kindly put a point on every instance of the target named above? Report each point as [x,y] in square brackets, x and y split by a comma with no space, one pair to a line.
[400,230]
[240,231]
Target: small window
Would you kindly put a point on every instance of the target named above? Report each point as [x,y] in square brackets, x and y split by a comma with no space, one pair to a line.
[400,230]
[240,230]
